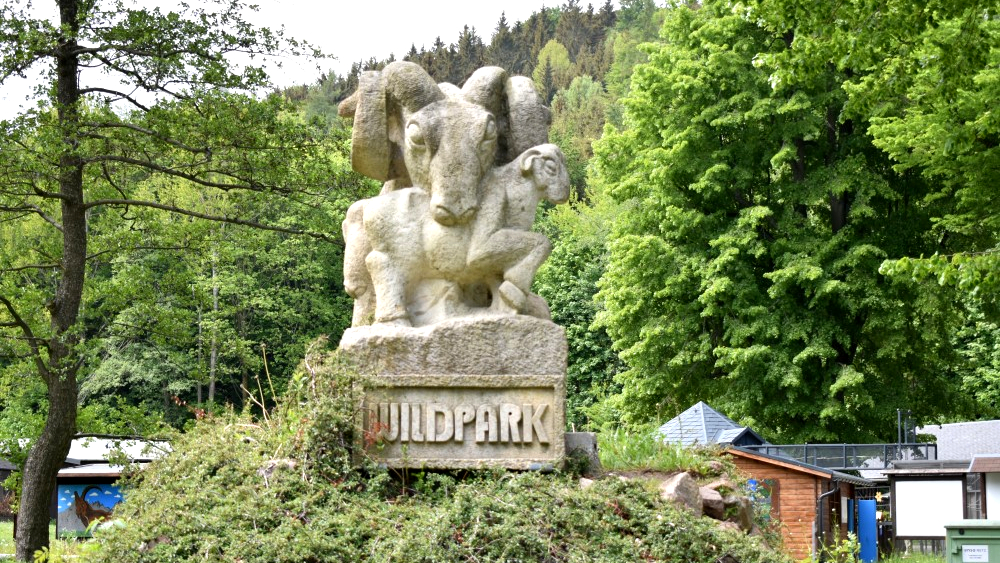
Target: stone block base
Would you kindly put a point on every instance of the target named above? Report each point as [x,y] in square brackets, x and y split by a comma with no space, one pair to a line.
[466,421]
[463,393]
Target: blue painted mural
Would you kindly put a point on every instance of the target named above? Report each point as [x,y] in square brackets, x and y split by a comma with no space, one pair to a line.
[81,506]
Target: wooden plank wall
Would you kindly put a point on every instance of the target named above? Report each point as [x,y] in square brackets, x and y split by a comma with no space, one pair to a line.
[796,503]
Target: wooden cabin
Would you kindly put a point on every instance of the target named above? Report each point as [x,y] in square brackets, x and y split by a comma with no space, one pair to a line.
[803,497]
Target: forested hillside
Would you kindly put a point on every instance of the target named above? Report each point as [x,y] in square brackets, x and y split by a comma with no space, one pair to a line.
[753,188]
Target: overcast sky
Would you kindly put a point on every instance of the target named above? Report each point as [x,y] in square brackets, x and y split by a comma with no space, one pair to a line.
[348,30]
[357,30]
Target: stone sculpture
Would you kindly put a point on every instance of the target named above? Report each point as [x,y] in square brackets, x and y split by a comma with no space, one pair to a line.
[464,170]
[467,368]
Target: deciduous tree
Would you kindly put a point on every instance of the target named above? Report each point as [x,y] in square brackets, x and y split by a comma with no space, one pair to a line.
[139,103]
[927,76]
[744,266]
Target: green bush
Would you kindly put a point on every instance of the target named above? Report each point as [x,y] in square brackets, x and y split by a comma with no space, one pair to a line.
[288,489]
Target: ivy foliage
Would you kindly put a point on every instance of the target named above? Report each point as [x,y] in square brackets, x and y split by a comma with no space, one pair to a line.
[285,489]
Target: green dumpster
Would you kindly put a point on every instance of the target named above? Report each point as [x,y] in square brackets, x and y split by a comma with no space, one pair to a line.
[972,541]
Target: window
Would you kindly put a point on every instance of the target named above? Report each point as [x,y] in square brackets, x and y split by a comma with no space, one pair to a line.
[974,495]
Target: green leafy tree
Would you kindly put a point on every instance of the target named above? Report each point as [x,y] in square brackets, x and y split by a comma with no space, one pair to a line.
[503,50]
[554,70]
[142,105]
[978,345]
[926,75]
[577,120]
[743,267]
[568,282]
[638,23]
[573,29]
[536,32]
[470,52]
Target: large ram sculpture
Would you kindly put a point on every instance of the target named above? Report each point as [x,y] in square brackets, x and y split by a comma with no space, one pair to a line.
[464,170]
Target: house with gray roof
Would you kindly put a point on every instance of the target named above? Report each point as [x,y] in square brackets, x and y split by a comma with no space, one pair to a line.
[962,483]
[811,502]
[701,424]
[965,440]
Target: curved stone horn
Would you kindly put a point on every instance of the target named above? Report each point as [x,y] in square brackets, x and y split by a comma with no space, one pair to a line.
[487,88]
[529,116]
[522,118]
[371,150]
[410,85]
[399,86]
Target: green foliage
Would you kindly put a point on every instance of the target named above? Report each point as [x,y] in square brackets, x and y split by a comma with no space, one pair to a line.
[577,120]
[144,124]
[645,449]
[842,549]
[978,346]
[926,78]
[743,267]
[914,558]
[553,70]
[973,275]
[568,282]
[25,408]
[283,489]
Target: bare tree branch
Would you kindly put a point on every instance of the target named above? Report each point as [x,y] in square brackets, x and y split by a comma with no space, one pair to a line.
[36,210]
[173,142]
[208,217]
[174,172]
[31,267]
[19,322]
[117,94]
[139,79]
[54,265]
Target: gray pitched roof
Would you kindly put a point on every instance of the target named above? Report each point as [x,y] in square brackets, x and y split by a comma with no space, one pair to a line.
[701,424]
[731,434]
[965,440]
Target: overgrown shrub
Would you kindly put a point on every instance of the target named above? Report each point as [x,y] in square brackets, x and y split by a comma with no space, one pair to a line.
[286,489]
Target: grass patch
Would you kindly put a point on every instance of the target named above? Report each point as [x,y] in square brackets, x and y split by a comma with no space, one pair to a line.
[625,450]
[7,536]
[914,558]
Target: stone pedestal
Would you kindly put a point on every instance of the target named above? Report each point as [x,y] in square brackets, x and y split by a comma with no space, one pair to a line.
[463,393]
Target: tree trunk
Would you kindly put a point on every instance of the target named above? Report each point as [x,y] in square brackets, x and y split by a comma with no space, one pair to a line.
[194,295]
[213,358]
[48,453]
[241,327]
[59,368]
[840,206]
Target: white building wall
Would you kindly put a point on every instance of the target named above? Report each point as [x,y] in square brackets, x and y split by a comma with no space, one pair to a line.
[992,496]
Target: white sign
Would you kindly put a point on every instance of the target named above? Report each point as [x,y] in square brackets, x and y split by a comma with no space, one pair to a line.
[972,553]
